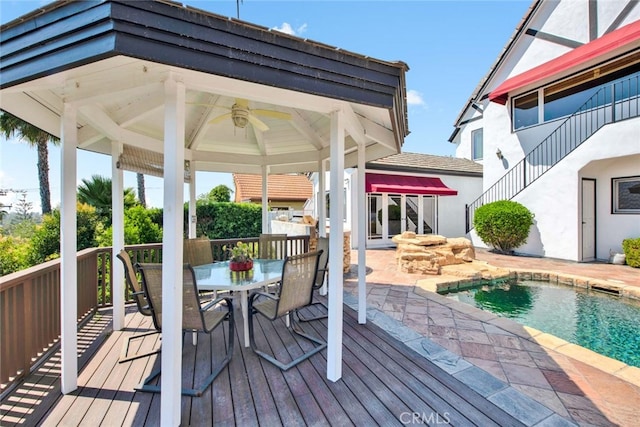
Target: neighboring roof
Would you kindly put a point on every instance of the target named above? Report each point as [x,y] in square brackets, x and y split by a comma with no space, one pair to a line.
[427,163]
[520,28]
[626,38]
[280,187]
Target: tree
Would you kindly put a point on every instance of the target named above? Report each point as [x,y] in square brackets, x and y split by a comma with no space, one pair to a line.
[96,192]
[23,208]
[11,126]
[142,197]
[220,193]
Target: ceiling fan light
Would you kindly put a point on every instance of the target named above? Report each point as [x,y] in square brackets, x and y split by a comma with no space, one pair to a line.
[239,115]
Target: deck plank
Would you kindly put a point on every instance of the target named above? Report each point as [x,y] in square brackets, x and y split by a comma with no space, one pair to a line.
[382,378]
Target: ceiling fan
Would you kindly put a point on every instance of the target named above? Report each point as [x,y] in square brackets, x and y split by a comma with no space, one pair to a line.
[241,115]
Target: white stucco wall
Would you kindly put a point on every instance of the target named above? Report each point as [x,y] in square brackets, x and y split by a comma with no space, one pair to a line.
[555,198]
[613,151]
[611,228]
[451,209]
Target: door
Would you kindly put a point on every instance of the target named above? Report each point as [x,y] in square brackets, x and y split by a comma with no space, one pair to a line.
[391,214]
[588,219]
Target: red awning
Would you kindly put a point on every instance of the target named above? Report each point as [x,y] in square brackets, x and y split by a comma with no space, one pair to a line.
[603,48]
[403,184]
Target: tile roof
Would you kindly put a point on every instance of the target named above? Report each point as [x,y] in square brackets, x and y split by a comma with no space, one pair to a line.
[417,162]
[280,187]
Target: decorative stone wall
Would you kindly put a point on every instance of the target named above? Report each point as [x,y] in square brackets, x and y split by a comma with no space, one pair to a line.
[346,248]
[428,253]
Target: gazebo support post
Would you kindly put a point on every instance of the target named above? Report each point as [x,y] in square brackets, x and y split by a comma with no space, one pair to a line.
[322,207]
[336,246]
[193,216]
[362,237]
[171,360]
[265,199]
[117,223]
[68,251]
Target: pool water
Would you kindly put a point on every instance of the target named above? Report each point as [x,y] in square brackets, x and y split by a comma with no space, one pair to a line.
[606,324]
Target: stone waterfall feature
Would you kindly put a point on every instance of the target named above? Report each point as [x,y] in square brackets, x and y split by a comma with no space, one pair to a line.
[428,253]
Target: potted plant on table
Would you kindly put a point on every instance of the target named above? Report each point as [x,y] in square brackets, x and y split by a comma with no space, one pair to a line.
[241,257]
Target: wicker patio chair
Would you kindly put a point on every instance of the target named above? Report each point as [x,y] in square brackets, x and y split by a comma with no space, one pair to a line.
[195,317]
[323,268]
[197,251]
[298,277]
[135,288]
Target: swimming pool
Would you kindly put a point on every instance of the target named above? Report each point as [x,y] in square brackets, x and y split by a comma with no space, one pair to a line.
[604,323]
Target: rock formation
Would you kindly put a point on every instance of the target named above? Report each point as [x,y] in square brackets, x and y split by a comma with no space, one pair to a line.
[428,253]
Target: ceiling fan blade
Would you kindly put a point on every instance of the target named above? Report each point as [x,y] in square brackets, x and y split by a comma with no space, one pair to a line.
[273,114]
[257,123]
[220,118]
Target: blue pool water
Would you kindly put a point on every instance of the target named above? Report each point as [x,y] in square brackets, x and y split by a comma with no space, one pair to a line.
[604,323]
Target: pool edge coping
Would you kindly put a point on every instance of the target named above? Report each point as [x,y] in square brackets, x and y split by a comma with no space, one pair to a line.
[625,372]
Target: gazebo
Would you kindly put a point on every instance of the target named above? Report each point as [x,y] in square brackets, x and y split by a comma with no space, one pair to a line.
[167,90]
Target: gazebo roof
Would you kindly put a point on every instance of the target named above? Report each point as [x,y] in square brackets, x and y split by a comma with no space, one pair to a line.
[109,58]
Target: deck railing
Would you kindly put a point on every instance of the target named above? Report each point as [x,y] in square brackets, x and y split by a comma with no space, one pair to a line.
[30,312]
[612,103]
[30,300]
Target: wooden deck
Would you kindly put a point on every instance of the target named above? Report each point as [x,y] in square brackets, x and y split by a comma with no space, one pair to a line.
[383,383]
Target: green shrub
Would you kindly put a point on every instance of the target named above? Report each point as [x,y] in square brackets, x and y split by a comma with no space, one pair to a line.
[14,254]
[503,224]
[631,248]
[45,243]
[225,220]
[139,228]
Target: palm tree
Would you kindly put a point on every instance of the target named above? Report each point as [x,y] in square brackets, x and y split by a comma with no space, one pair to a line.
[142,198]
[11,126]
[97,193]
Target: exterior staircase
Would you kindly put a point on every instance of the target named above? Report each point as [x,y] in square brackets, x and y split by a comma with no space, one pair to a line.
[611,103]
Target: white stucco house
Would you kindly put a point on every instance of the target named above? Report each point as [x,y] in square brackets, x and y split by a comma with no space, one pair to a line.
[555,123]
[421,192]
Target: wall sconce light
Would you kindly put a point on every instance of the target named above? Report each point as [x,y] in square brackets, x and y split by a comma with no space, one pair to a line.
[499,154]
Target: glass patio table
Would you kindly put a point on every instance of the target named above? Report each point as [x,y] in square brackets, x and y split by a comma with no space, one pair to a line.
[219,277]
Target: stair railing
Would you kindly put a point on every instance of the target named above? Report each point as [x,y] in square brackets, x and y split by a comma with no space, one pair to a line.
[611,103]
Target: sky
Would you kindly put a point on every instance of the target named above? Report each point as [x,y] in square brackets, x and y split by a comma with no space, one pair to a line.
[449,46]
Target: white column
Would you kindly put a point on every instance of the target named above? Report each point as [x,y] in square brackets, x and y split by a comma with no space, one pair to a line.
[265,199]
[362,237]
[322,201]
[193,218]
[117,223]
[171,380]
[336,232]
[68,251]
[322,208]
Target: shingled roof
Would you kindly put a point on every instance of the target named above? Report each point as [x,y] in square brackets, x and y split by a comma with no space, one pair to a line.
[427,163]
[280,187]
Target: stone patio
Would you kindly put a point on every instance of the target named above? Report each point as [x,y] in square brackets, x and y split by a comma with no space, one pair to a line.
[574,382]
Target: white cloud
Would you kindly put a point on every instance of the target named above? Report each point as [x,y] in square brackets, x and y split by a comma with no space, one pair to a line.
[288,29]
[415,98]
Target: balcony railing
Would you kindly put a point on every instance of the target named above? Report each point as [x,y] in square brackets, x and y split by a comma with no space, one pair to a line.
[610,104]
[30,301]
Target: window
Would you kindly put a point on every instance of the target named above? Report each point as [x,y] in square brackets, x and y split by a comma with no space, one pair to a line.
[588,90]
[476,142]
[525,111]
[625,195]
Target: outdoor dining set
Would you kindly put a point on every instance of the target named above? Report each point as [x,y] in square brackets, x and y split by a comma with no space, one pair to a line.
[275,285]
